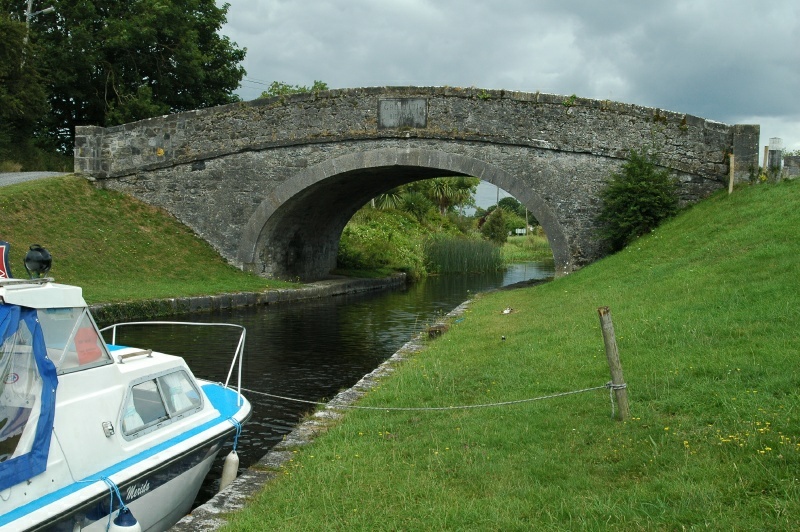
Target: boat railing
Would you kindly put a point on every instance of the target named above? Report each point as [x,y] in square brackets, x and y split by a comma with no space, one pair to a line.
[237,356]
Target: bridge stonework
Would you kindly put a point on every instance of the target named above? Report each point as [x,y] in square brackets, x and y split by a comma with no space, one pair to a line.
[271,183]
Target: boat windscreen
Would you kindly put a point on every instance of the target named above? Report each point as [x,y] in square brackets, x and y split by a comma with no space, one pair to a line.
[73,342]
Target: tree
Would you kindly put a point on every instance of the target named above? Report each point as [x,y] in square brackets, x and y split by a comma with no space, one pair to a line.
[391,199]
[636,200]
[512,206]
[447,193]
[279,88]
[417,204]
[110,62]
[494,229]
[22,98]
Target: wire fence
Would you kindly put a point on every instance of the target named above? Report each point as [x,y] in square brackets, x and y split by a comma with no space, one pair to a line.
[609,385]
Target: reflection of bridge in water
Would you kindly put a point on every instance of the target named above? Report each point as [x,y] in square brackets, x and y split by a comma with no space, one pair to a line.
[272,183]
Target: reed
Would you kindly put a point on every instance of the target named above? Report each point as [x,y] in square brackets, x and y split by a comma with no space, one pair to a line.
[446,254]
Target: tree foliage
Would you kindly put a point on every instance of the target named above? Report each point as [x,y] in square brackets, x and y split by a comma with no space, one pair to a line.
[110,62]
[636,200]
[494,229]
[22,98]
[416,203]
[446,193]
[512,206]
[279,88]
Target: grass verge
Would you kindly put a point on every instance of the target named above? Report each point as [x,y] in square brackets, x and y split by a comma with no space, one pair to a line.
[706,311]
[528,248]
[116,248]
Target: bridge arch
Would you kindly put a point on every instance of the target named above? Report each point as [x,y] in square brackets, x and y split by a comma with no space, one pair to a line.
[295,231]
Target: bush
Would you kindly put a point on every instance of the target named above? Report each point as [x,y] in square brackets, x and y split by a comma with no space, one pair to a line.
[494,229]
[513,221]
[636,200]
[377,240]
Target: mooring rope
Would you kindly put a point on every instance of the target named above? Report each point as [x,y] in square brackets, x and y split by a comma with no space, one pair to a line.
[238,432]
[608,385]
[114,489]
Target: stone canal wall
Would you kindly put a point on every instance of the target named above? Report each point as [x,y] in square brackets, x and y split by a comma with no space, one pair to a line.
[115,312]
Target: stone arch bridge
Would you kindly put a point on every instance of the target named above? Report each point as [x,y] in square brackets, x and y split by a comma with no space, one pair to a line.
[271,183]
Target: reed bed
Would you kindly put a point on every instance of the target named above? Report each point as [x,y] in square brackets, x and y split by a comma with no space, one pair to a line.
[460,255]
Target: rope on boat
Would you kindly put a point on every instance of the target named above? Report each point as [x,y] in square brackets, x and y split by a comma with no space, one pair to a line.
[608,385]
[238,432]
[113,489]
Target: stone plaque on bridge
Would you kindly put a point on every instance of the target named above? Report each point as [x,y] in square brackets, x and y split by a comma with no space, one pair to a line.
[402,113]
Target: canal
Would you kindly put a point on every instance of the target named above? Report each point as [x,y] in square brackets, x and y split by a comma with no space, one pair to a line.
[311,350]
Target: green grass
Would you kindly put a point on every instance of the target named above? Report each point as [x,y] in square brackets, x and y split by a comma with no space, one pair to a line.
[706,312]
[532,247]
[116,248]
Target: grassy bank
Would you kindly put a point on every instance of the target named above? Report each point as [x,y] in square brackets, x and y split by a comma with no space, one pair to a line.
[116,248]
[532,247]
[706,311]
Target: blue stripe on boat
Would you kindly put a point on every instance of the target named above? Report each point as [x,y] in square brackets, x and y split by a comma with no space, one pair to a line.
[114,347]
[223,399]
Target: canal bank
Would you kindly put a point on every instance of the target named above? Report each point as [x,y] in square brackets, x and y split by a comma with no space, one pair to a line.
[313,329]
[157,308]
[212,514]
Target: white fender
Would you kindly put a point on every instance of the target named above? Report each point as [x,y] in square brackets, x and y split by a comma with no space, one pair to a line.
[229,470]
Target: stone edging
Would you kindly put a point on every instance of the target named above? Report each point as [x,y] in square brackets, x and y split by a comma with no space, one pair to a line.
[211,515]
[114,312]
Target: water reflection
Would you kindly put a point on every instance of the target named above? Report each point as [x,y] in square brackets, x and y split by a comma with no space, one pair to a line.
[311,350]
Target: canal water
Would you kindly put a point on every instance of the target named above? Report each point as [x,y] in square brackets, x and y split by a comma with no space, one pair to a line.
[311,350]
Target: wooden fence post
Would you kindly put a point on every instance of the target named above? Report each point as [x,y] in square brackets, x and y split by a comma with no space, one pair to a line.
[612,354]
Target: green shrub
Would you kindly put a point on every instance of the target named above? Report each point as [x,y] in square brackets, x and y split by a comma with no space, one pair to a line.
[494,229]
[380,239]
[513,221]
[636,200]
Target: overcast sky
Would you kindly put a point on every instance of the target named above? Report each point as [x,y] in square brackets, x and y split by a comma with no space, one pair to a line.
[734,61]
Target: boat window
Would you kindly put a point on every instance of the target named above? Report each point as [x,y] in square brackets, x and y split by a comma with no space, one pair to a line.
[72,340]
[20,386]
[179,392]
[158,401]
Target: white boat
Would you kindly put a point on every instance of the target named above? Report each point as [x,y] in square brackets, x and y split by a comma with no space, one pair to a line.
[90,430]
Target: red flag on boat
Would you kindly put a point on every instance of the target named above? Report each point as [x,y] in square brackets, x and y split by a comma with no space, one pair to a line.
[5,269]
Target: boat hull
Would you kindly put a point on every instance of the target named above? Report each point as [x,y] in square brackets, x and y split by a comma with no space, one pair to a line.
[158,498]
[158,488]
